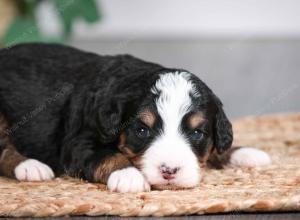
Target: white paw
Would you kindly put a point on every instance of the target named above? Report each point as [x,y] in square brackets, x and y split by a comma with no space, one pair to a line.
[127,180]
[33,170]
[249,157]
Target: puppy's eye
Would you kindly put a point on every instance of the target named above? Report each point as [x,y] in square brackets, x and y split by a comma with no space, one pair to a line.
[143,132]
[196,134]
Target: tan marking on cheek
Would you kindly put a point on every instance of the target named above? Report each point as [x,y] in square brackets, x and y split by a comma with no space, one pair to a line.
[137,160]
[106,167]
[203,159]
[195,120]
[123,146]
[134,158]
[148,117]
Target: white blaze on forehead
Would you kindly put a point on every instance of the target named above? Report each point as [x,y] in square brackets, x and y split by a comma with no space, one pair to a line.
[171,147]
[174,99]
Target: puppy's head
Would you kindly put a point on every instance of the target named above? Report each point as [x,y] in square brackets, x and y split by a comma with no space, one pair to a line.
[174,129]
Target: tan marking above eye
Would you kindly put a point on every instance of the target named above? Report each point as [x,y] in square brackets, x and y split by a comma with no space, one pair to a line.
[148,117]
[195,120]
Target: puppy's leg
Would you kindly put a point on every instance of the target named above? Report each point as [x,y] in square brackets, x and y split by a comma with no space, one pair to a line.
[241,157]
[82,158]
[128,179]
[9,158]
[15,165]
[249,157]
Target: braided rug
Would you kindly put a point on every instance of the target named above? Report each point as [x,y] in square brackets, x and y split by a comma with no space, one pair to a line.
[272,188]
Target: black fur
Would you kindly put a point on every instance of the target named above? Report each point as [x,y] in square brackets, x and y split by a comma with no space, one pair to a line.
[67,108]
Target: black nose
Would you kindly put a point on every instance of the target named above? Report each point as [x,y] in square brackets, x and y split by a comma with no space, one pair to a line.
[168,172]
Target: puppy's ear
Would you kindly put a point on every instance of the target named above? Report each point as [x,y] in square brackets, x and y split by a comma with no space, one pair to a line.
[110,118]
[223,135]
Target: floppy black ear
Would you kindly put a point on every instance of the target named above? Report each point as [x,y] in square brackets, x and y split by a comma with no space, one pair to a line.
[110,119]
[223,135]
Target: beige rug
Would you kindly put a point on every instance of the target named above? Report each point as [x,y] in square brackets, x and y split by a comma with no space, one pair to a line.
[272,188]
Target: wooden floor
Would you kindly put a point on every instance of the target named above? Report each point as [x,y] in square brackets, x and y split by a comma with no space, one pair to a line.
[230,216]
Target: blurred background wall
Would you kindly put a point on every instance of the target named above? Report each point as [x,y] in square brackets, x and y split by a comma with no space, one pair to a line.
[247,51]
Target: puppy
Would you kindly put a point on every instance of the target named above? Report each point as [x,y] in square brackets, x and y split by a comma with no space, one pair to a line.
[116,120]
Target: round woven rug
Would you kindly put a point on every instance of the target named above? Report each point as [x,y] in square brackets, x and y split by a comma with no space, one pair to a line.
[272,188]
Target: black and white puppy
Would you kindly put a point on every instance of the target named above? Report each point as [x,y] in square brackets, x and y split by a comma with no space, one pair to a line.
[117,120]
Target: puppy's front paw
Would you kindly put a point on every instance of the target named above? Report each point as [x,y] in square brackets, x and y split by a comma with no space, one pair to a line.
[127,180]
[33,170]
[249,157]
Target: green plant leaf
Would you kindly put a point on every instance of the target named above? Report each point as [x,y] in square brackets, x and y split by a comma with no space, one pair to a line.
[22,30]
[71,10]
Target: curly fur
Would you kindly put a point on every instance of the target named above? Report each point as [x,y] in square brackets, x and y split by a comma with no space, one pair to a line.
[68,108]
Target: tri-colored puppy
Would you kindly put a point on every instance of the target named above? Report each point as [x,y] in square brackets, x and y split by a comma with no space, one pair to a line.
[117,120]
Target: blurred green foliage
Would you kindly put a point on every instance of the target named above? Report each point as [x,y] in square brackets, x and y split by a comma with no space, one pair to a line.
[25,28]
